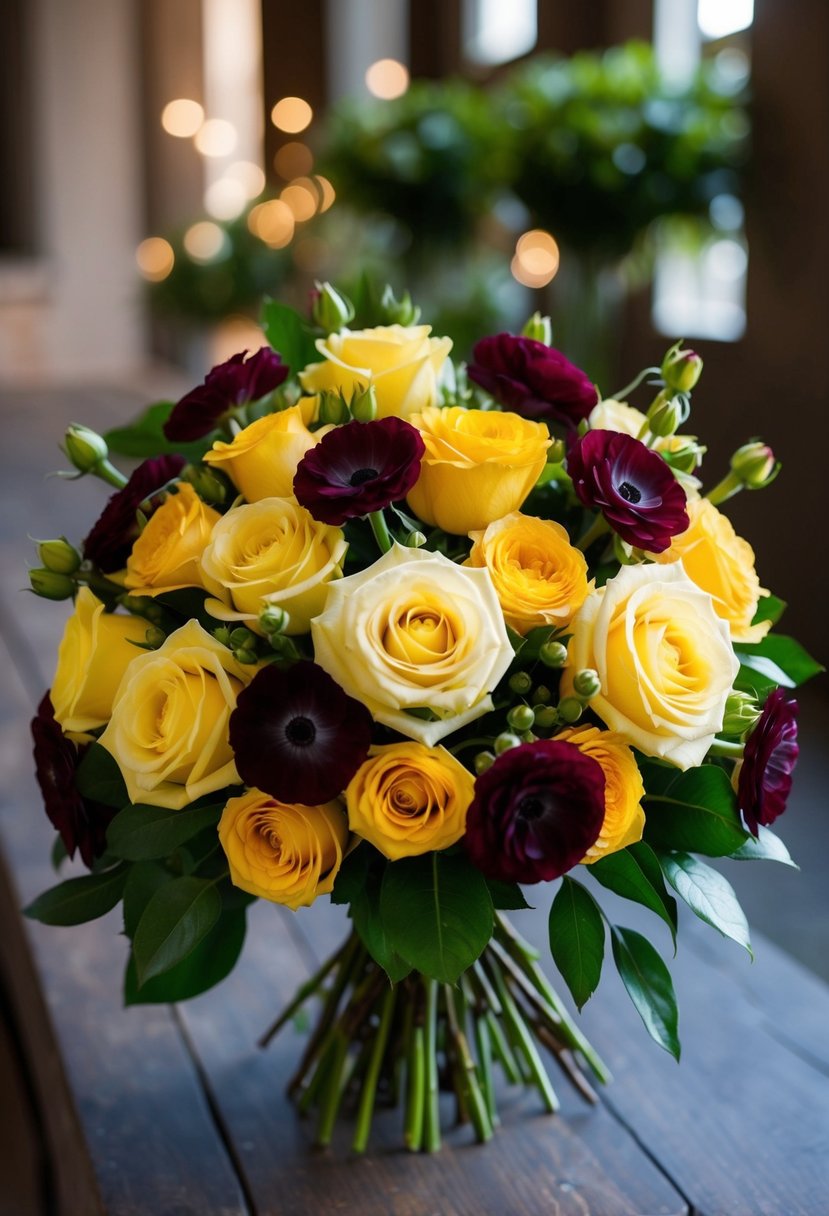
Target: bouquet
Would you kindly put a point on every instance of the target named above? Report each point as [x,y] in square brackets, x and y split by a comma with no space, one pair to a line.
[414,636]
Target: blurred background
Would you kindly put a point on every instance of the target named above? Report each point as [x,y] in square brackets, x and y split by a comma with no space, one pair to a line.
[641,170]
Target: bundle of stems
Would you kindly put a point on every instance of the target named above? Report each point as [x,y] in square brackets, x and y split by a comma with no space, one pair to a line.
[377,1042]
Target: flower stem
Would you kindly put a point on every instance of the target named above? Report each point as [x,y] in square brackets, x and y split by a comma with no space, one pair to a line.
[366,1107]
[332,1089]
[307,989]
[431,1123]
[727,488]
[108,473]
[732,751]
[476,1103]
[381,530]
[598,528]
[523,1039]
[415,1098]
[634,384]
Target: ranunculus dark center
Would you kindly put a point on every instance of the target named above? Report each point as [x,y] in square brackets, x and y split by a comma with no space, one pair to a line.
[301,732]
[360,476]
[530,807]
[629,492]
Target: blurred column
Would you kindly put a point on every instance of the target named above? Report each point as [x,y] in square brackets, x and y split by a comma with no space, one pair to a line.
[293,39]
[359,33]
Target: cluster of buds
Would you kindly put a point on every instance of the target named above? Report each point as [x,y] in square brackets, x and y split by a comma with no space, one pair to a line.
[54,578]
[336,408]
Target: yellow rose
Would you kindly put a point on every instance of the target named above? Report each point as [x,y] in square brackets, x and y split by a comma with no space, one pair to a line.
[289,854]
[262,459]
[624,819]
[415,631]
[272,552]
[169,726]
[612,415]
[479,465]
[721,563]
[407,799]
[664,659]
[401,362]
[539,577]
[95,651]
[166,555]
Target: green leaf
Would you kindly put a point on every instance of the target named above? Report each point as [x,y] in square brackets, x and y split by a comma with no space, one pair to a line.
[649,986]
[210,962]
[177,917]
[98,778]
[368,921]
[437,913]
[770,608]
[288,334]
[78,899]
[142,832]
[143,880]
[59,854]
[353,874]
[709,896]
[692,812]
[507,896]
[778,660]
[766,847]
[577,939]
[635,874]
[145,436]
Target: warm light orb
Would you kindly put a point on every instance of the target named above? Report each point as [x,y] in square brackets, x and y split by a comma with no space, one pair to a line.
[293,159]
[302,197]
[536,258]
[292,114]
[326,190]
[204,241]
[273,223]
[225,199]
[250,176]
[216,137]
[155,258]
[387,79]
[182,117]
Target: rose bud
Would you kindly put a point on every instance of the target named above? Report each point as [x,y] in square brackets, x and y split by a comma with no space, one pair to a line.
[397,312]
[538,328]
[681,369]
[331,310]
[754,465]
[741,713]
[666,415]
[59,556]
[85,448]
[51,586]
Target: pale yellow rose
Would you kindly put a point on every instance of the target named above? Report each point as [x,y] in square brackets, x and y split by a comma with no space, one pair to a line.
[721,563]
[283,852]
[664,659]
[612,415]
[408,799]
[169,726]
[539,577]
[262,459]
[167,554]
[415,631]
[272,552]
[479,465]
[402,363]
[624,819]
[95,651]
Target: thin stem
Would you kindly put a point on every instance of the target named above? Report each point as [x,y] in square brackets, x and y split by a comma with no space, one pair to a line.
[416,1094]
[333,1089]
[366,1107]
[381,530]
[502,1050]
[483,1047]
[732,751]
[727,488]
[478,741]
[351,963]
[108,473]
[432,1115]
[634,384]
[475,1101]
[517,1025]
[307,989]
[598,528]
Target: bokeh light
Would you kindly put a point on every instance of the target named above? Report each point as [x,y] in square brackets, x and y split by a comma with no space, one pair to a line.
[303,198]
[327,192]
[249,175]
[155,258]
[182,117]
[292,114]
[293,159]
[204,241]
[273,223]
[225,199]
[536,258]
[387,79]
[216,137]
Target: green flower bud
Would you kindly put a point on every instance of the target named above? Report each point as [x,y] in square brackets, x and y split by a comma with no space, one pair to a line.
[241,638]
[483,761]
[538,328]
[397,312]
[143,605]
[59,556]
[416,540]
[51,586]
[211,486]
[546,716]
[681,369]
[570,709]
[363,404]
[667,414]
[520,718]
[243,654]
[155,637]
[556,452]
[332,310]
[741,713]
[333,408]
[529,737]
[542,694]
[274,620]
[687,458]
[222,635]
[85,448]
[754,464]
[505,742]
[553,654]
[586,683]
[520,683]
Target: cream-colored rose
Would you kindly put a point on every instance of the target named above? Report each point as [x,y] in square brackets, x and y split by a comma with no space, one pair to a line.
[539,577]
[262,459]
[624,819]
[280,851]
[401,362]
[479,466]
[169,726]
[95,651]
[167,554]
[664,659]
[415,631]
[272,552]
[721,563]
[612,415]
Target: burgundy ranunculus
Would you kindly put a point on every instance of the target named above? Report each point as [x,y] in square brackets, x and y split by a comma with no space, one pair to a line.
[536,812]
[82,824]
[297,736]
[359,468]
[631,485]
[765,778]
[110,542]
[233,383]
[532,379]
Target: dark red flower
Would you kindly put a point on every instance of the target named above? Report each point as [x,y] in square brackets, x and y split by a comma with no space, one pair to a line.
[536,812]
[359,468]
[82,824]
[532,379]
[110,542]
[631,485]
[229,384]
[297,736]
[765,779]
